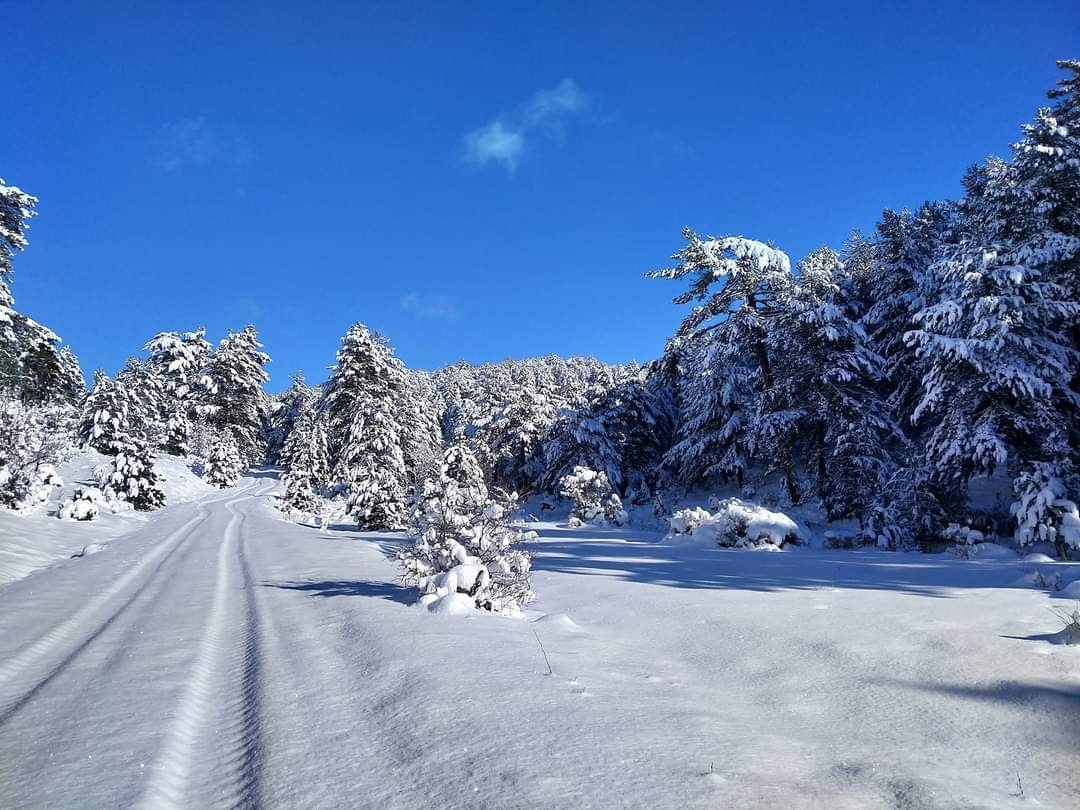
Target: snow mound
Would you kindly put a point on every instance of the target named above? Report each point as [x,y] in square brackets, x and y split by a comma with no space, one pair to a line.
[449,604]
[1038,558]
[1071,591]
[735,524]
[559,621]
[994,551]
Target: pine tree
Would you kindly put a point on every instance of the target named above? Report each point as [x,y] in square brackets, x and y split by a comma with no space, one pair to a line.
[291,406]
[225,465]
[901,283]
[104,417]
[999,365]
[30,363]
[70,386]
[465,546]
[824,407]
[736,280]
[376,469]
[177,361]
[307,463]
[361,402]
[233,379]
[132,477]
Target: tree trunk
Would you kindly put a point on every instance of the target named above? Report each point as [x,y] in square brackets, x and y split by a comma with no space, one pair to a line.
[760,353]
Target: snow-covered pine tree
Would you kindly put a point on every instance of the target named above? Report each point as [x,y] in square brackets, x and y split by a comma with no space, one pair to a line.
[1000,363]
[16,210]
[1042,511]
[513,434]
[233,379]
[466,551]
[30,362]
[622,430]
[291,406]
[824,407]
[361,402]
[307,462]
[375,466]
[104,416]
[132,477]
[736,280]
[421,435]
[901,282]
[225,465]
[146,398]
[70,387]
[177,359]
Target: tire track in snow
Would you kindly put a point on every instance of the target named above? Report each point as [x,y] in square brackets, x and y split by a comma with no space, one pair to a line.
[27,672]
[210,755]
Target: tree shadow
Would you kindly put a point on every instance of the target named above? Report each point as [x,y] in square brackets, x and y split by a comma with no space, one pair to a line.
[624,555]
[263,472]
[1061,637]
[351,587]
[1055,706]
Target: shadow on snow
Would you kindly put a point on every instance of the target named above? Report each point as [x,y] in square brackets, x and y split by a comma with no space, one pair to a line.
[621,555]
[349,587]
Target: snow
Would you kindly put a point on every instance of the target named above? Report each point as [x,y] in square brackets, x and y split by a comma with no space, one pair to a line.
[35,540]
[1038,558]
[214,654]
[735,523]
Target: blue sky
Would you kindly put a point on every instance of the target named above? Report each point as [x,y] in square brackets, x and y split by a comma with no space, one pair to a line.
[475,184]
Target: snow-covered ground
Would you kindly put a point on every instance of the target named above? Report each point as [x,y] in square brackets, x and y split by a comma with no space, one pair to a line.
[37,539]
[216,655]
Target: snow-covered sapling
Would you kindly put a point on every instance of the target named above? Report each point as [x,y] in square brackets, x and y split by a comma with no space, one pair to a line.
[591,493]
[467,551]
[84,504]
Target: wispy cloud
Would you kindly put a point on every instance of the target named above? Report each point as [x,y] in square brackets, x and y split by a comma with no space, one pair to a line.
[503,140]
[495,143]
[434,307]
[193,142]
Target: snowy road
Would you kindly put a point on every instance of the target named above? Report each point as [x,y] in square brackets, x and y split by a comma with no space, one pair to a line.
[220,657]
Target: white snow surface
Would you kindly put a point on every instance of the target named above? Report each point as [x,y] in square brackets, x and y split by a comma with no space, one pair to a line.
[37,539]
[216,655]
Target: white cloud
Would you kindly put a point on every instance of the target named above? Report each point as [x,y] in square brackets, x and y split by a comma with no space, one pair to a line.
[434,307]
[564,98]
[193,142]
[503,140]
[495,143]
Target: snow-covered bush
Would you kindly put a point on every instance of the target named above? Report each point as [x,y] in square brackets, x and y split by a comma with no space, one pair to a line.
[33,438]
[592,496]
[613,510]
[737,524]
[84,504]
[132,478]
[1043,513]
[964,539]
[467,550]
[224,466]
[685,521]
